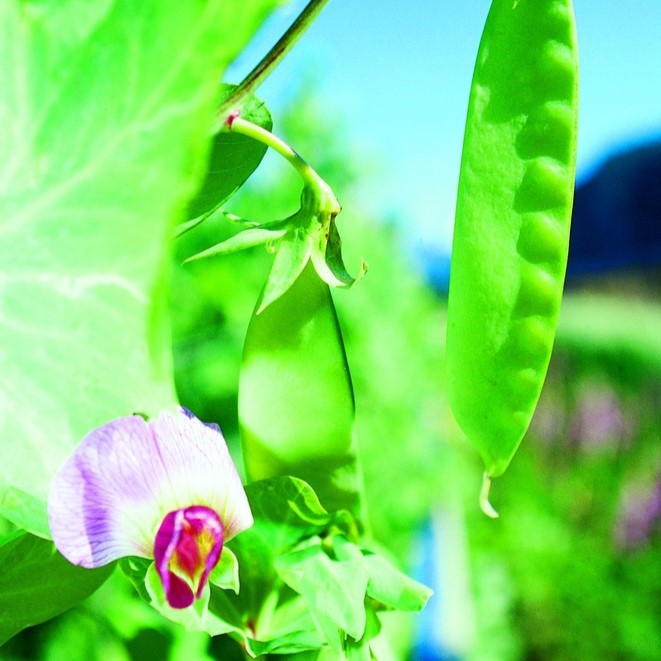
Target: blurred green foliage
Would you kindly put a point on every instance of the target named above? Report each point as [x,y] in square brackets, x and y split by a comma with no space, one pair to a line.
[578,546]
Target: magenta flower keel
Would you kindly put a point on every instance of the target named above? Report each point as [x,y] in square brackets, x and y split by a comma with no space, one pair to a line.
[187,547]
[165,489]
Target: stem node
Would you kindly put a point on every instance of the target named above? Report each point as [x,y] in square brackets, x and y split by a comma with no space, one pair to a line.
[235,114]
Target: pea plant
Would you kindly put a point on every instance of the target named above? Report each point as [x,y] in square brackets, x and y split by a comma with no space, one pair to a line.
[118,138]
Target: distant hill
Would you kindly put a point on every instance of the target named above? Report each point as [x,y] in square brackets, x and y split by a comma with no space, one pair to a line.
[616,222]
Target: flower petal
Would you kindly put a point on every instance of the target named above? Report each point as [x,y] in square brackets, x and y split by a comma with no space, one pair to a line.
[104,501]
[187,547]
[201,470]
[112,494]
[178,592]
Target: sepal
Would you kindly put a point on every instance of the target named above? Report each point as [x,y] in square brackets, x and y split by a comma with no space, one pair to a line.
[309,234]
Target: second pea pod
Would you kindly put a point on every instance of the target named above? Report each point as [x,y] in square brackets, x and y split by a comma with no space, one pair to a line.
[513,214]
[296,404]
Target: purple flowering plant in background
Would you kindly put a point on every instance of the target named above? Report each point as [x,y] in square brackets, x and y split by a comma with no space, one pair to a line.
[164,489]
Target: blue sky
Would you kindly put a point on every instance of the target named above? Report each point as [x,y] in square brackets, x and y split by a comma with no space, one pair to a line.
[400,74]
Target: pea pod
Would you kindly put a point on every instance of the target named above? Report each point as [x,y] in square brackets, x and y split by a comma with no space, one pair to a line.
[511,234]
[296,404]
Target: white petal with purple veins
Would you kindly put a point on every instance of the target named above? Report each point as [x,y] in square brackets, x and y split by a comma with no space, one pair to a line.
[202,471]
[112,494]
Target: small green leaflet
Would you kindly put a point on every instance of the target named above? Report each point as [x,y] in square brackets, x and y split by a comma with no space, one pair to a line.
[233,158]
[334,589]
[336,576]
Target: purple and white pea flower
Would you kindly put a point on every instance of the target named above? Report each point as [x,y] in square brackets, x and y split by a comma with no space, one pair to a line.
[165,489]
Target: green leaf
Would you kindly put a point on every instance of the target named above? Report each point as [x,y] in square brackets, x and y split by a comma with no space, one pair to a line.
[106,111]
[358,652]
[281,627]
[256,574]
[334,589]
[326,624]
[291,623]
[391,587]
[386,584]
[302,640]
[286,511]
[136,570]
[233,158]
[37,583]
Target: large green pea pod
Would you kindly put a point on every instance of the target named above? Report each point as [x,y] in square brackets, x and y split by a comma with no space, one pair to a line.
[513,214]
[296,404]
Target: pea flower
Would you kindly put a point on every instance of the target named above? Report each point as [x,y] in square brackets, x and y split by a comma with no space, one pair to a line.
[164,489]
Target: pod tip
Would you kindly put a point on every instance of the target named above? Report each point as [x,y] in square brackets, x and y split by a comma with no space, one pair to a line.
[485,505]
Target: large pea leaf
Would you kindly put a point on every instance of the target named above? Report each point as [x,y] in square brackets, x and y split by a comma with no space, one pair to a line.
[25,601]
[105,113]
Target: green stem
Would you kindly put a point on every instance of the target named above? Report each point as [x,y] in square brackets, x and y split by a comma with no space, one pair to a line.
[307,173]
[266,65]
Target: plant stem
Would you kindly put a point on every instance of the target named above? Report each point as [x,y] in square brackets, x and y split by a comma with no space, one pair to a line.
[307,173]
[272,58]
